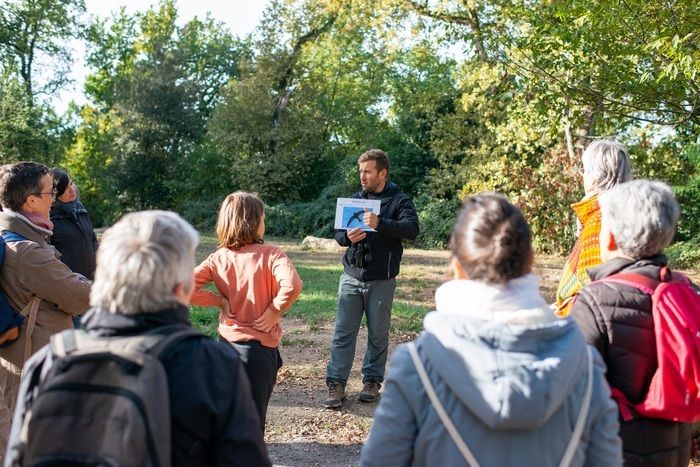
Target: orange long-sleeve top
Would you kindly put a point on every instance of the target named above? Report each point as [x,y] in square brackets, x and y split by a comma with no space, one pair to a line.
[251,279]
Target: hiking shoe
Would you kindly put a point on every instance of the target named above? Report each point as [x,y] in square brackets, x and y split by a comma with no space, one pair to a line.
[370,391]
[336,396]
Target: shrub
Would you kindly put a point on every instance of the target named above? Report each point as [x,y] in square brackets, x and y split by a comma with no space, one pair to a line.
[201,213]
[545,195]
[283,220]
[684,255]
[435,218]
[688,197]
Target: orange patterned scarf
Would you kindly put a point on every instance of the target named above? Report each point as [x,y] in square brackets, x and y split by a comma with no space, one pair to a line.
[584,255]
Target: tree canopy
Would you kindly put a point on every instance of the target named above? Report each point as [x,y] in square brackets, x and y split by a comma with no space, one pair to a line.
[463,95]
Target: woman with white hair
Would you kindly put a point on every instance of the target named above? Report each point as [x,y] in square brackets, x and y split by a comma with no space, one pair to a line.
[605,163]
[638,221]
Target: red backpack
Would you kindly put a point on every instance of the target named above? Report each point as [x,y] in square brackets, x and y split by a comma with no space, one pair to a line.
[674,392]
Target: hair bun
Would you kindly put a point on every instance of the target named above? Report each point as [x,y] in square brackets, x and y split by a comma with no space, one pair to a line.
[491,239]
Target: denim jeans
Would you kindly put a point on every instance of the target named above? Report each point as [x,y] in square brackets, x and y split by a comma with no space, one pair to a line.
[355,298]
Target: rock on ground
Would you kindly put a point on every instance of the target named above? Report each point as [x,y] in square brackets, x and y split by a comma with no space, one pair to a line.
[323,244]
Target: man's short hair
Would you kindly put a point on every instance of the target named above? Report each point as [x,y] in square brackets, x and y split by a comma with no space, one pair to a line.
[141,259]
[642,216]
[378,156]
[18,181]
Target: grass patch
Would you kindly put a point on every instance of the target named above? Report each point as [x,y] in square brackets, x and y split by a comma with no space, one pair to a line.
[317,303]
[205,320]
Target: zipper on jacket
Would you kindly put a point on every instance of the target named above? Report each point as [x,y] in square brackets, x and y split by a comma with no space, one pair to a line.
[388,266]
[86,387]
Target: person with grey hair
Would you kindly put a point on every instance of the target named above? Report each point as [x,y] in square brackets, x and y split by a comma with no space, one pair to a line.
[638,221]
[147,264]
[605,164]
[143,283]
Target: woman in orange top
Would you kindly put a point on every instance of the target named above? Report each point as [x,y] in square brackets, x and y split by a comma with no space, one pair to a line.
[605,163]
[256,283]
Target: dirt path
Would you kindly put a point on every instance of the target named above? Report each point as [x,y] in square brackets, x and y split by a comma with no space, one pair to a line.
[300,431]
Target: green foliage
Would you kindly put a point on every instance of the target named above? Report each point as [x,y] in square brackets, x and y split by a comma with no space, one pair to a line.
[316,217]
[34,63]
[307,103]
[204,181]
[464,96]
[19,135]
[145,142]
[35,34]
[688,197]
[667,160]
[30,132]
[284,220]
[89,163]
[544,193]
[684,255]
[436,218]
[629,58]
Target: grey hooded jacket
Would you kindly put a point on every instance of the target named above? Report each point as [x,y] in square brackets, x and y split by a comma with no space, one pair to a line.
[513,392]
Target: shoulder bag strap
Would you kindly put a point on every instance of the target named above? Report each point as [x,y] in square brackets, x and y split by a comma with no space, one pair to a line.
[10,236]
[462,446]
[32,308]
[582,416]
[156,342]
[32,311]
[437,405]
[638,281]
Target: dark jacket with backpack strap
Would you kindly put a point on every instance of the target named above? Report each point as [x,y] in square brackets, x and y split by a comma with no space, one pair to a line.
[382,250]
[213,418]
[617,320]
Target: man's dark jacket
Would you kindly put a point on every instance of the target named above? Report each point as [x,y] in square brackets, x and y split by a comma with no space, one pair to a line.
[617,320]
[382,250]
[214,421]
[74,237]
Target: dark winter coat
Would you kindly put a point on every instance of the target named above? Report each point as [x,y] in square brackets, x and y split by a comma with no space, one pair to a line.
[214,421]
[617,320]
[74,237]
[381,250]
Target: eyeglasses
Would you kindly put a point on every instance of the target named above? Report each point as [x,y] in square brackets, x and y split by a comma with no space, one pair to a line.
[53,193]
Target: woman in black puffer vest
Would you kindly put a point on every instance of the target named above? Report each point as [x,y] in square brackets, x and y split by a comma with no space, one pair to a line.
[73,235]
[638,221]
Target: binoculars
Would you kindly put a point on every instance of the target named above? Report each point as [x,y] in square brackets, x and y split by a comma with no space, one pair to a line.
[358,253]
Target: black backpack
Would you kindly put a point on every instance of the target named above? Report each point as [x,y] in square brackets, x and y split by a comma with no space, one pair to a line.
[99,401]
[10,320]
